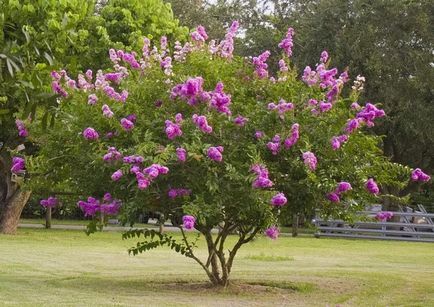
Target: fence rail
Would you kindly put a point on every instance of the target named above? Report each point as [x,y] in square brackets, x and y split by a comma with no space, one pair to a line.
[412,226]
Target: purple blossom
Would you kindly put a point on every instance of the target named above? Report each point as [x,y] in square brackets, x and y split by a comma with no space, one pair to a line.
[90,134]
[272,232]
[337,141]
[174,193]
[188,222]
[50,202]
[134,159]
[355,106]
[191,90]
[240,120]
[333,197]
[112,155]
[58,89]
[282,66]
[324,56]
[343,187]
[259,134]
[215,153]
[181,153]
[226,46]
[106,111]
[126,124]
[92,206]
[172,130]
[274,146]
[219,100]
[324,106]
[261,68]
[419,175]
[293,138]
[372,186]
[384,216]
[310,160]
[262,180]
[92,99]
[352,125]
[22,131]
[369,113]
[287,43]
[117,175]
[278,200]
[202,123]
[200,35]
[143,183]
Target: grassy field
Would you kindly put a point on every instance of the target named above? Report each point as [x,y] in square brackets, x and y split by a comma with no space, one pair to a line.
[66,268]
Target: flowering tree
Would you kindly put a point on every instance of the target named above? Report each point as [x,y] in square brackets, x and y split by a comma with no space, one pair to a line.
[194,131]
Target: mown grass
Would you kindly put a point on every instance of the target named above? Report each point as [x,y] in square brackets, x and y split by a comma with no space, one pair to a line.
[67,268]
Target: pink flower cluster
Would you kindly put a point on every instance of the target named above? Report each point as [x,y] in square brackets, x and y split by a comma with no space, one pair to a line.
[22,131]
[134,159]
[127,124]
[419,175]
[188,222]
[191,91]
[226,47]
[262,181]
[278,200]
[90,134]
[369,113]
[310,160]
[200,35]
[18,164]
[220,100]
[281,107]
[324,57]
[112,155]
[202,123]
[261,68]
[272,232]
[372,186]
[287,43]
[240,120]
[92,206]
[215,153]
[274,145]
[173,130]
[92,99]
[181,153]
[149,174]
[341,188]
[337,141]
[384,216]
[50,202]
[294,137]
[174,193]
[106,112]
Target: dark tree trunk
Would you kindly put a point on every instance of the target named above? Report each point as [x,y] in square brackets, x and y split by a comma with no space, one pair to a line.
[295,225]
[12,198]
[48,218]
[11,211]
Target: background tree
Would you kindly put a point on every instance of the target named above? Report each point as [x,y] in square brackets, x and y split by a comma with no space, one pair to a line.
[39,36]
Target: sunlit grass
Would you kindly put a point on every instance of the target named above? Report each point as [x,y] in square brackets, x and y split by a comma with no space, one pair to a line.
[67,268]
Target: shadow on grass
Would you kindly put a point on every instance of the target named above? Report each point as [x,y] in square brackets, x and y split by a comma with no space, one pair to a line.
[195,286]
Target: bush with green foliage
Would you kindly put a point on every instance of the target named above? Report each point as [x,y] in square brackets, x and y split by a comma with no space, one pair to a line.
[194,131]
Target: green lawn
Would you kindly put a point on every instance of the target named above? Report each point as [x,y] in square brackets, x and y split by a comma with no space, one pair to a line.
[67,268]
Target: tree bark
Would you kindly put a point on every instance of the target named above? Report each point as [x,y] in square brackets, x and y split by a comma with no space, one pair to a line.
[11,211]
[295,225]
[48,218]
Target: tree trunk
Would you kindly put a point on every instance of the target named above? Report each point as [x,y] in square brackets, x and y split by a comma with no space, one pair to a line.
[161,221]
[48,218]
[11,211]
[295,225]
